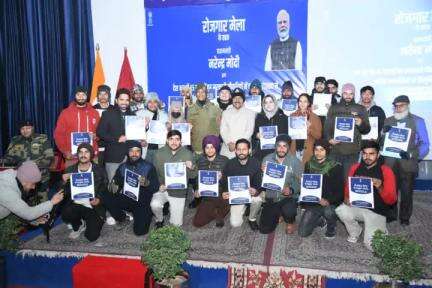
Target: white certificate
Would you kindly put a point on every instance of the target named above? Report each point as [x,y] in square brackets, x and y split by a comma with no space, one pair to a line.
[344,129]
[82,186]
[268,137]
[395,141]
[311,188]
[208,183]
[175,175]
[373,133]
[77,138]
[157,132]
[322,101]
[297,127]
[135,128]
[274,176]
[131,184]
[238,188]
[361,192]
[185,130]
[289,106]
[253,102]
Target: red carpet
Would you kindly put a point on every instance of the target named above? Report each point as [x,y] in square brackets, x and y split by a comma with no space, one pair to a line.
[96,271]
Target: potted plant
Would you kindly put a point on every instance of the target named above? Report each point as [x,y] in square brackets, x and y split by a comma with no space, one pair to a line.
[398,257]
[164,251]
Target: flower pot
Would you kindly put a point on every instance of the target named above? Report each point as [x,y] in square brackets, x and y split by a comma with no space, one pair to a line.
[180,281]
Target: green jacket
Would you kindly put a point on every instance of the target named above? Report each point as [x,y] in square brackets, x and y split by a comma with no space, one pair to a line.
[165,155]
[205,121]
[37,148]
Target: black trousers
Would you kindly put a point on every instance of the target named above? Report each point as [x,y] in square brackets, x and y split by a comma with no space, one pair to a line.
[312,217]
[73,213]
[118,203]
[271,211]
[405,182]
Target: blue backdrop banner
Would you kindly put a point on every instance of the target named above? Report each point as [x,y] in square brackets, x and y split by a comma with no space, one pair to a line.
[227,44]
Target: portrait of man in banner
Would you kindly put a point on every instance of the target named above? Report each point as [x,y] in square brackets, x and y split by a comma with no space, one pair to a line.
[285,52]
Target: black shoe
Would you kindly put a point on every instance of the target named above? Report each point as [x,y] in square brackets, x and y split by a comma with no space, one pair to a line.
[159,224]
[404,222]
[194,203]
[220,223]
[330,233]
[253,225]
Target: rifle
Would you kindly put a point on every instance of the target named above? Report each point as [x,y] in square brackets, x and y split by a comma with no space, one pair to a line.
[48,225]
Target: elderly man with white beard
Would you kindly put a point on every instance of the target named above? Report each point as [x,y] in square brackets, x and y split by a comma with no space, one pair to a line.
[406,168]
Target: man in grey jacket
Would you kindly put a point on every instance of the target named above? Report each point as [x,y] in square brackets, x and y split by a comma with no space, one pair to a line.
[14,184]
[346,153]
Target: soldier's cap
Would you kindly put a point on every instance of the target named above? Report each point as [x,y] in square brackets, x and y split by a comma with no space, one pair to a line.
[25,123]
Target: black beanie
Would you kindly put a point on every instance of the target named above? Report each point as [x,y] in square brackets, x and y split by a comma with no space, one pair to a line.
[323,143]
[287,85]
[320,79]
[225,87]
[132,144]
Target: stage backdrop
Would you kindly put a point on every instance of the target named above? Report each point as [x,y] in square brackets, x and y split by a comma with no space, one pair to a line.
[219,44]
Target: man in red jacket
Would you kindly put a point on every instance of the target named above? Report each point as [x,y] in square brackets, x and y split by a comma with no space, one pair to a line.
[384,189]
[79,116]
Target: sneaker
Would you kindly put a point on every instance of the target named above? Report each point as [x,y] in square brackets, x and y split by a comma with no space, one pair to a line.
[322,224]
[253,225]
[159,224]
[220,223]
[69,226]
[404,222]
[110,221]
[122,225]
[330,234]
[76,234]
[352,239]
[129,216]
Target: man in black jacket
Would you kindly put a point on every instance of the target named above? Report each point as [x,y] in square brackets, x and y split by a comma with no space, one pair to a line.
[367,94]
[85,214]
[120,202]
[332,192]
[111,131]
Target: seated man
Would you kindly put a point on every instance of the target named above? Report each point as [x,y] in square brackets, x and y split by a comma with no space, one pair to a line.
[332,192]
[172,152]
[85,214]
[31,146]
[119,202]
[243,165]
[384,188]
[15,185]
[282,203]
[211,208]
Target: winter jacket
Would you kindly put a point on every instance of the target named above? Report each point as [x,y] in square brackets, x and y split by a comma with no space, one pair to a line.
[75,119]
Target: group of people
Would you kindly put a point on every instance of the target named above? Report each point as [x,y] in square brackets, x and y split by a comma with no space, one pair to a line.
[225,137]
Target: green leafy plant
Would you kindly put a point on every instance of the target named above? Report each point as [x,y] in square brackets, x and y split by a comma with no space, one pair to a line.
[399,257]
[165,250]
[9,228]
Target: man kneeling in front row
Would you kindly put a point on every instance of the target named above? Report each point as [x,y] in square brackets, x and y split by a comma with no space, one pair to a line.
[384,189]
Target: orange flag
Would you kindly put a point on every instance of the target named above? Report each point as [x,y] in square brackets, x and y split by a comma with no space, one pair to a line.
[98,77]
[126,79]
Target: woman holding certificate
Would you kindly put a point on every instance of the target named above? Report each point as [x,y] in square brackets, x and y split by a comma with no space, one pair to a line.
[303,148]
[268,124]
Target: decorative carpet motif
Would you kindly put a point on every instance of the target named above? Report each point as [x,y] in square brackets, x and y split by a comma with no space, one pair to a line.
[241,245]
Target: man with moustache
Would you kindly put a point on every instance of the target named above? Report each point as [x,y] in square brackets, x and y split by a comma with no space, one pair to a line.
[346,153]
[119,202]
[332,87]
[367,100]
[285,52]
[111,131]
[406,168]
[237,122]
[243,165]
[282,203]
[172,152]
[85,214]
[104,102]
[385,195]
[79,116]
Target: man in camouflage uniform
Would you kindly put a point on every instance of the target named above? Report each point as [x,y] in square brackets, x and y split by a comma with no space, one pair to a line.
[31,146]
[138,101]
